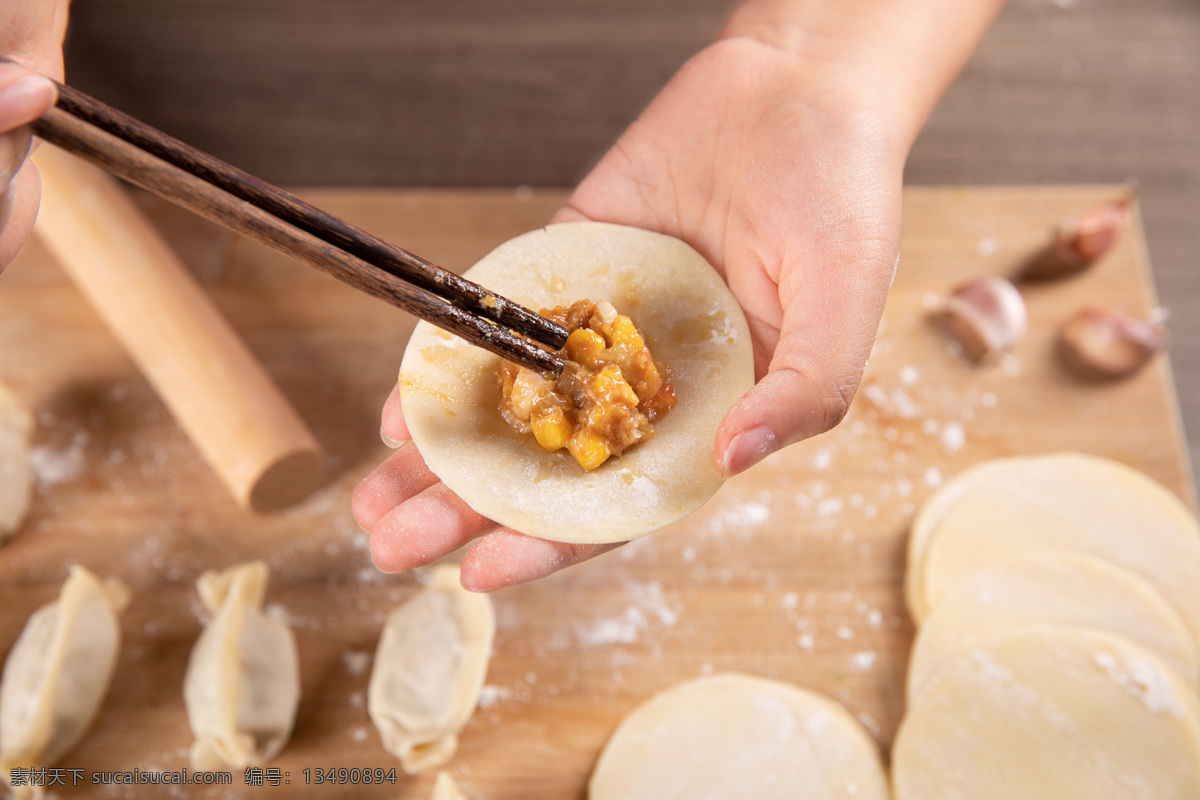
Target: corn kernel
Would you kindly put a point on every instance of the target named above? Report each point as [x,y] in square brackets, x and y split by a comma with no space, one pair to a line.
[611,385]
[552,429]
[584,347]
[625,333]
[650,384]
[589,449]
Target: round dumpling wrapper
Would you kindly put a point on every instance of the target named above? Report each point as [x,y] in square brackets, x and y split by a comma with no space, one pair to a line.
[1074,502]
[739,736]
[924,529]
[1047,713]
[1059,587]
[450,391]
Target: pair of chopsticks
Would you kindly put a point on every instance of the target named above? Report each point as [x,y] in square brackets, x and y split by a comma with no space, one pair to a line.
[149,158]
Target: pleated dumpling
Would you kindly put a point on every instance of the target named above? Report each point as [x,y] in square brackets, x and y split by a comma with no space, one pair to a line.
[444,788]
[243,677]
[429,669]
[58,672]
[16,478]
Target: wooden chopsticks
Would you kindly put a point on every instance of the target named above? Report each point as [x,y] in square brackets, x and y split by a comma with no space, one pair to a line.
[220,192]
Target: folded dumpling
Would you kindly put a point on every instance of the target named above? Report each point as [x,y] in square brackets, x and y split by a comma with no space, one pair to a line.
[58,672]
[429,669]
[243,677]
[444,788]
[16,479]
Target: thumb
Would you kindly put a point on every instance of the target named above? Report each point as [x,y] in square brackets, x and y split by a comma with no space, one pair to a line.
[24,96]
[825,337]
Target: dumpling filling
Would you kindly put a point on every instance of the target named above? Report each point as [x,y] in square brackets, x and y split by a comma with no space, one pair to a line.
[608,396]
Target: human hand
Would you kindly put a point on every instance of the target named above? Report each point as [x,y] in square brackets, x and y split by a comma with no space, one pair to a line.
[787,178]
[31,35]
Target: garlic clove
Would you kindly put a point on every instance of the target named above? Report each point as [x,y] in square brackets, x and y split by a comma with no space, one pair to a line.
[1079,242]
[986,315]
[1107,343]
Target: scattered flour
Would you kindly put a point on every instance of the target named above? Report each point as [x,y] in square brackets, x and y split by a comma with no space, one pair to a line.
[953,437]
[648,603]
[53,466]
[1010,366]
[491,695]
[741,515]
[863,661]
[1143,681]
[620,630]
[829,506]
[649,596]
[280,612]
[904,405]
[897,403]
[356,662]
[992,670]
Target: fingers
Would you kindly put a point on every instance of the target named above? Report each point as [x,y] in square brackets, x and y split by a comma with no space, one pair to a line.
[392,429]
[829,324]
[424,528]
[786,406]
[569,213]
[505,557]
[413,520]
[24,96]
[412,517]
[14,148]
[401,476]
[18,209]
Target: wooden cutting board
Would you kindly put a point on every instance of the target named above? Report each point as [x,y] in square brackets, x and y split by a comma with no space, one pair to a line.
[793,571]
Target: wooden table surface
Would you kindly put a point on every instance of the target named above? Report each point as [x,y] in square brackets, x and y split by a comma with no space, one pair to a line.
[793,571]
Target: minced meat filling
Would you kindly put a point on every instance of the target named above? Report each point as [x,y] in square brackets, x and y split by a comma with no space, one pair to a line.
[607,396]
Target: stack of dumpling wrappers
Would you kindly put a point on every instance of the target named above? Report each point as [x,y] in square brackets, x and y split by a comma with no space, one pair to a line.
[1058,599]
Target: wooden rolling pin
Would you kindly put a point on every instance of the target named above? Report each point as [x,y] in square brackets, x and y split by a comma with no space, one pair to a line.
[217,391]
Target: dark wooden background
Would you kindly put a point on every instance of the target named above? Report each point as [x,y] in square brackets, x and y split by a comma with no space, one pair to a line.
[490,93]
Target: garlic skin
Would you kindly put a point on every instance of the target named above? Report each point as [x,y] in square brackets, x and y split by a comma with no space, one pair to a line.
[1108,344]
[986,316]
[1079,242]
